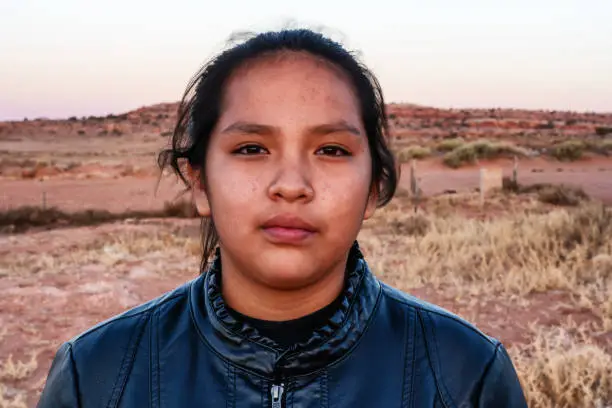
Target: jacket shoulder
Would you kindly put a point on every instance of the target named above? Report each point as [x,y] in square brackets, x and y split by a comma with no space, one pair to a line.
[101,357]
[123,324]
[461,356]
[448,319]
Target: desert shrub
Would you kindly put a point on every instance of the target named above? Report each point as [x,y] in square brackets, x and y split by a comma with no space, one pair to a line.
[555,194]
[416,225]
[480,149]
[562,195]
[571,122]
[603,130]
[448,145]
[23,218]
[605,147]
[569,150]
[413,152]
[559,369]
[180,209]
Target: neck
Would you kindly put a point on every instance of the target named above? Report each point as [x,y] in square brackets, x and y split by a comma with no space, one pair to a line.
[253,299]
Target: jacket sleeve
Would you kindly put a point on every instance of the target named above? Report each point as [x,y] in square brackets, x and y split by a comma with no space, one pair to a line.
[500,385]
[61,388]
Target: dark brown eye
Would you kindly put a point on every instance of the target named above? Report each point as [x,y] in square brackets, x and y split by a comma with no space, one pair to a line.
[333,151]
[249,150]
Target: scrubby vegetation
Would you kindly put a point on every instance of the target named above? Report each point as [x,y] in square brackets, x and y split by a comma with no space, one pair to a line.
[24,218]
[482,149]
[448,145]
[413,152]
[569,150]
[555,194]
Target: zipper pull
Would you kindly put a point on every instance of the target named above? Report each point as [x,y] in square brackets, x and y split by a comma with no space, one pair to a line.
[277,395]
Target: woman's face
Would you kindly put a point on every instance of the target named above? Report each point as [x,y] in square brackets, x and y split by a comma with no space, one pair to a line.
[288,171]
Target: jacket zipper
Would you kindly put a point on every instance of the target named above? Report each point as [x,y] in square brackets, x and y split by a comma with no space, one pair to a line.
[276,393]
[278,390]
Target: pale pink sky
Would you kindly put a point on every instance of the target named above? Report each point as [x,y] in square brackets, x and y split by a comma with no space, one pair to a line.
[67,57]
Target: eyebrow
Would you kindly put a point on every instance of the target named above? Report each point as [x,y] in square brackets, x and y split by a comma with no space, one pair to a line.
[323,129]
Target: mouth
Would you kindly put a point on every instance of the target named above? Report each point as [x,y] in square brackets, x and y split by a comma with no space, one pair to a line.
[288,229]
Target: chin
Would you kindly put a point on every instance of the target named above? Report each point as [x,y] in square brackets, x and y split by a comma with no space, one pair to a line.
[288,272]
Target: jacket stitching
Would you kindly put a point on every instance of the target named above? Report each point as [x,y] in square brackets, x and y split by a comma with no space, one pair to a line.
[433,359]
[324,389]
[488,368]
[127,362]
[155,358]
[75,376]
[413,358]
[231,386]
[406,373]
[409,360]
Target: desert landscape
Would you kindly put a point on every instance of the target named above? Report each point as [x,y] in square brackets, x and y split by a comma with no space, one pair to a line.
[89,228]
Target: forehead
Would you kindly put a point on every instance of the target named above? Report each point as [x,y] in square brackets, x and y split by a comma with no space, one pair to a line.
[290,83]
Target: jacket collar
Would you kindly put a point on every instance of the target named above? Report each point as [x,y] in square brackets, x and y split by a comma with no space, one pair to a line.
[240,343]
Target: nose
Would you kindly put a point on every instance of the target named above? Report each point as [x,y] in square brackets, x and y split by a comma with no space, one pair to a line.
[291,182]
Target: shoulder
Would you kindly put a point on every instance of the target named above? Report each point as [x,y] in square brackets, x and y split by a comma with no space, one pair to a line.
[97,360]
[440,323]
[461,356]
[123,325]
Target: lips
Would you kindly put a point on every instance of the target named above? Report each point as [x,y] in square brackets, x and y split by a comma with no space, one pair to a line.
[288,229]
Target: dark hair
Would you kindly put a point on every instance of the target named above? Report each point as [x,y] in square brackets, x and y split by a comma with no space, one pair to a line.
[200,106]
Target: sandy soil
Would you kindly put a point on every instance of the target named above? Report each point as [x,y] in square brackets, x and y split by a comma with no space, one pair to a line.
[593,176]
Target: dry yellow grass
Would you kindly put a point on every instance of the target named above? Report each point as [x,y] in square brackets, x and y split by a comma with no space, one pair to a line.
[11,399]
[413,152]
[17,370]
[10,372]
[559,369]
[561,249]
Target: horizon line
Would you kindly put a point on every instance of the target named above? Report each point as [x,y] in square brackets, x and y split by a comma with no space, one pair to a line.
[387,103]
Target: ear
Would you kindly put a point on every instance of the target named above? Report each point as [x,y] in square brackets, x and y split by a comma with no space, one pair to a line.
[371,204]
[198,194]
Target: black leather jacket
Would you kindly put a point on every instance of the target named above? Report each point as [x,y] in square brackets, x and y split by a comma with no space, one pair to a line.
[381,348]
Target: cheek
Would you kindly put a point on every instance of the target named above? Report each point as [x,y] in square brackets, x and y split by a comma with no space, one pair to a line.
[344,193]
[231,192]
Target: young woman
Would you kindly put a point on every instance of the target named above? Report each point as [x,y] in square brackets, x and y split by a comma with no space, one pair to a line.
[283,143]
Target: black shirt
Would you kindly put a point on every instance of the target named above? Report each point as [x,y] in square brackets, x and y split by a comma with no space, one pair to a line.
[289,332]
